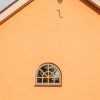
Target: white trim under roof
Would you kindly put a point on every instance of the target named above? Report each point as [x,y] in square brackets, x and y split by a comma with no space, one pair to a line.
[95,2]
[13,9]
[5,4]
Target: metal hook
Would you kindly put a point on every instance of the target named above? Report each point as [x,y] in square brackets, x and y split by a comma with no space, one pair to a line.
[59,13]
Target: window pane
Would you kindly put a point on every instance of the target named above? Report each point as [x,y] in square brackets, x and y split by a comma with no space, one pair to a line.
[50,74]
[44,68]
[39,80]
[51,68]
[51,80]
[56,74]
[57,80]
[39,74]
[46,73]
[45,80]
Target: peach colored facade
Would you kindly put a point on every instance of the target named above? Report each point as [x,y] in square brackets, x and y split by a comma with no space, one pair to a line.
[36,35]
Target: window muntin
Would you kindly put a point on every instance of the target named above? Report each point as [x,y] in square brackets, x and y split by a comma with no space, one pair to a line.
[48,74]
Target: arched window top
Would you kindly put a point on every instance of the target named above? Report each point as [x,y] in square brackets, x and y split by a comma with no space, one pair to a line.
[48,74]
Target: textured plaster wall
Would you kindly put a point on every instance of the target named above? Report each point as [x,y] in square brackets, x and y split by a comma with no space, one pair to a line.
[36,35]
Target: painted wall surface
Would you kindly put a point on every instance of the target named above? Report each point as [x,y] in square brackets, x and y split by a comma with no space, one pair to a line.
[36,35]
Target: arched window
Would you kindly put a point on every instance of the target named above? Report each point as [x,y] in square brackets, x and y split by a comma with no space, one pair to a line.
[48,74]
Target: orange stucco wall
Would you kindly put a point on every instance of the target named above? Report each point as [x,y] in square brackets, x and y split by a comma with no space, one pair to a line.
[36,35]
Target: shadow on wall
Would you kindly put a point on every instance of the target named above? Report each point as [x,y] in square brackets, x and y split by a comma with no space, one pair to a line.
[90,5]
[59,1]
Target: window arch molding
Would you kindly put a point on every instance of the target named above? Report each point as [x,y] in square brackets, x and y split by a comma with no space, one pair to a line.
[48,74]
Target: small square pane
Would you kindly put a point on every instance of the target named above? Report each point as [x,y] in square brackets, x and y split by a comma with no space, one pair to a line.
[57,80]
[51,80]
[45,80]
[39,80]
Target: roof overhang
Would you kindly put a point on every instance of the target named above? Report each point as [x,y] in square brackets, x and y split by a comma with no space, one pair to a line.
[10,9]
[95,2]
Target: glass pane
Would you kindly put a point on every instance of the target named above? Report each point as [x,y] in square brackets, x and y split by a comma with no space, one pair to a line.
[56,80]
[39,80]
[46,73]
[51,80]
[50,74]
[45,80]
[5,3]
[56,74]
[39,74]
[51,68]
[44,68]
